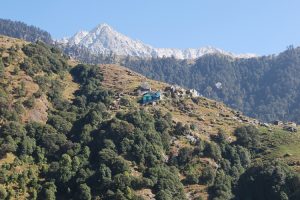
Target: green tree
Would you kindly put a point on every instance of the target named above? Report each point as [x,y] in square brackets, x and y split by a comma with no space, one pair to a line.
[222,186]
[3,192]
[268,181]
[27,146]
[84,192]
[184,155]
[213,151]
[248,136]
[49,191]
[208,175]
[65,168]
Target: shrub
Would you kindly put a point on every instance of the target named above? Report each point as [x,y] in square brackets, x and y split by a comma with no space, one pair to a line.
[248,136]
[29,103]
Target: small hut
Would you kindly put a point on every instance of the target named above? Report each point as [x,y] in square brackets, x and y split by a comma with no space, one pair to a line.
[150,97]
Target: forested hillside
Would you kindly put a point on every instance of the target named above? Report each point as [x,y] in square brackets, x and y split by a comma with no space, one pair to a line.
[263,87]
[77,131]
[23,31]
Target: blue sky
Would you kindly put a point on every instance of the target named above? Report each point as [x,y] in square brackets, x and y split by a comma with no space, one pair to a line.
[240,26]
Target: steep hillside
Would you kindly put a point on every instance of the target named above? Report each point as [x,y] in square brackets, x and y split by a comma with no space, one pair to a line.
[77,131]
[207,116]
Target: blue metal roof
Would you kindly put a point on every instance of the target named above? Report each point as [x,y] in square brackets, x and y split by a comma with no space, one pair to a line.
[150,97]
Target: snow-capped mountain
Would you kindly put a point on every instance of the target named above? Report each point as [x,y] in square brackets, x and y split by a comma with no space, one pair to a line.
[103,40]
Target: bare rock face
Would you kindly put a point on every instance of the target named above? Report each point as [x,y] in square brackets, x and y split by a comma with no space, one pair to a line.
[105,40]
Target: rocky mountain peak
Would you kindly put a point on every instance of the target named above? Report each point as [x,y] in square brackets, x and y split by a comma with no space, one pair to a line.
[103,39]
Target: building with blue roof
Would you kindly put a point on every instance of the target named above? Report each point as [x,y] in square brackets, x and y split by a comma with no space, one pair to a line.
[150,97]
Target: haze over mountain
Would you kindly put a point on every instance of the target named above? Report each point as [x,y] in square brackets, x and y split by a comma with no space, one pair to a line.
[103,39]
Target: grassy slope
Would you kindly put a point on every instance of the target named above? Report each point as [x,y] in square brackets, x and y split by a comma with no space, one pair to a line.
[14,77]
[284,145]
[209,116]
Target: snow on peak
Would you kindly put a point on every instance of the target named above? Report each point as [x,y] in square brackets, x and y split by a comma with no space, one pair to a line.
[103,39]
[76,39]
[103,25]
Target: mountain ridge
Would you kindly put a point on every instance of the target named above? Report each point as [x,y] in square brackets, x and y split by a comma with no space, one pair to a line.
[104,39]
[21,30]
